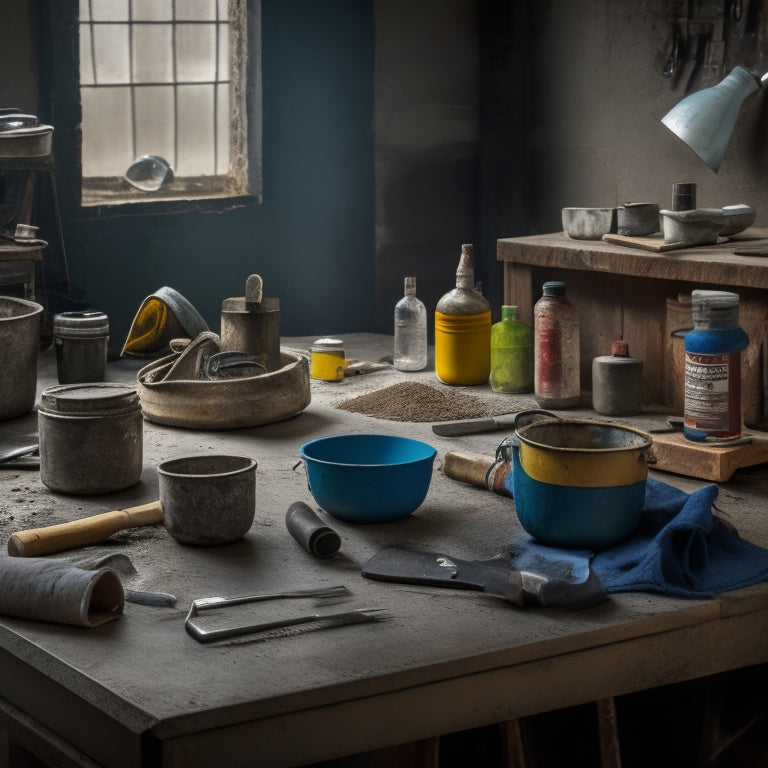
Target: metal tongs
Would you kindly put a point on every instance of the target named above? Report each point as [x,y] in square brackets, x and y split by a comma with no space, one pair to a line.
[355,616]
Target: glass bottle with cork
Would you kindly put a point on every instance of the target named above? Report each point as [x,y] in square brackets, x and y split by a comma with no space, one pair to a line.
[463,329]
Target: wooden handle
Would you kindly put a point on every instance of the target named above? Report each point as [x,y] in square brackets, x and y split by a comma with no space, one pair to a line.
[77,533]
[468,468]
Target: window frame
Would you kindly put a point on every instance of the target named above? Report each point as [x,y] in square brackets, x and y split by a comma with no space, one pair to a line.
[60,36]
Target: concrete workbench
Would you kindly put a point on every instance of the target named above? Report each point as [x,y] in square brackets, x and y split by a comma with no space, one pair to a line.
[139,691]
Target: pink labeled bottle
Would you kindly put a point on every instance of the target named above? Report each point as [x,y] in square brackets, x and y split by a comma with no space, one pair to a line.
[556,377]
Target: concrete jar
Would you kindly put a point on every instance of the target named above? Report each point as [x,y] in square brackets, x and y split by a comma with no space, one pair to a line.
[91,438]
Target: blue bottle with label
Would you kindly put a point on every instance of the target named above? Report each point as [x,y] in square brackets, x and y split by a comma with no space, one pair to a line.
[713,367]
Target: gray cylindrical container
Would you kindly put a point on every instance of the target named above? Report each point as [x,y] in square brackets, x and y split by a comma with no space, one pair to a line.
[80,339]
[19,347]
[617,382]
[91,437]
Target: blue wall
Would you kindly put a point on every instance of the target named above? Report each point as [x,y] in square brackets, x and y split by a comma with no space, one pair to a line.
[312,238]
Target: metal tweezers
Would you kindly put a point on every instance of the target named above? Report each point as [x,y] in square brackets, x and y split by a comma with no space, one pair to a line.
[356,616]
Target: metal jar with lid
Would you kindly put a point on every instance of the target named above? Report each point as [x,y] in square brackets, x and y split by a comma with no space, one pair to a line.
[327,360]
[91,437]
[80,339]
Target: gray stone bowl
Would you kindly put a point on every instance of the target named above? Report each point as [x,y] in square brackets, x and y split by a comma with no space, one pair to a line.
[588,223]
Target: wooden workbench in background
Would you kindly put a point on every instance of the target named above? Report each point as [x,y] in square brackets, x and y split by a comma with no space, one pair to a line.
[632,293]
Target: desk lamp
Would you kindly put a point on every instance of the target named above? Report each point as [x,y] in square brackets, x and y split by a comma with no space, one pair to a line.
[705,119]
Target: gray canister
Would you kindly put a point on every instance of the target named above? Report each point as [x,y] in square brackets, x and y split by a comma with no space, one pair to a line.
[617,382]
[19,347]
[91,437]
[251,324]
[80,339]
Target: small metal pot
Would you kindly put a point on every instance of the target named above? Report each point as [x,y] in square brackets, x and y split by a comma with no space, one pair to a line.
[19,347]
[579,483]
[208,500]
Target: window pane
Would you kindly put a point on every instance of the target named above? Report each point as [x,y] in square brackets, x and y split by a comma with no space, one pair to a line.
[223,30]
[86,59]
[155,122]
[195,52]
[107,141]
[196,130]
[196,10]
[108,10]
[152,10]
[152,53]
[111,52]
[222,128]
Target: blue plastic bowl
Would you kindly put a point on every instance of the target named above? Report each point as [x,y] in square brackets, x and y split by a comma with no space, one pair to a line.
[368,478]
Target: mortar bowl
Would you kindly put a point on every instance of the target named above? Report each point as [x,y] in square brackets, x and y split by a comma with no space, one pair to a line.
[208,499]
[362,478]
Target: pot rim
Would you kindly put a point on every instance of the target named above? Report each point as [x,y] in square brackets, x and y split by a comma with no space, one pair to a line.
[645,442]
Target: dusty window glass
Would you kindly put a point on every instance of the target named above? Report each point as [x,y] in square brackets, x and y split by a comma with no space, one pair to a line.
[164,88]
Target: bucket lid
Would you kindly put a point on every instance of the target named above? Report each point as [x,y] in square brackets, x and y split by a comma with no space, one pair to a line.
[86,323]
[88,399]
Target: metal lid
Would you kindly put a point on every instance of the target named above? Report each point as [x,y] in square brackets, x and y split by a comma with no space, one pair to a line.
[328,344]
[715,310]
[87,323]
[89,399]
[554,288]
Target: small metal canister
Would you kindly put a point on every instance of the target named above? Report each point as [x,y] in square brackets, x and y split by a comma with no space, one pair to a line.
[91,438]
[80,339]
[251,324]
[617,382]
[327,360]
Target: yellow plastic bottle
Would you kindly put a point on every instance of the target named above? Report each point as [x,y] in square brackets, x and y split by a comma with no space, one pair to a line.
[463,329]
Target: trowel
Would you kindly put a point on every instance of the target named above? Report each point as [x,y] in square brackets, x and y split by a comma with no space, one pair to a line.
[559,581]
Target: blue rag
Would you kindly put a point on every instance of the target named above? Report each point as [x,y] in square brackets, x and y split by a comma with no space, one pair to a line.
[679,548]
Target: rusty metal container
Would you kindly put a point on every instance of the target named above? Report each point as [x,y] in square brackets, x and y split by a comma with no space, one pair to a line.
[91,438]
[251,324]
[80,339]
[19,347]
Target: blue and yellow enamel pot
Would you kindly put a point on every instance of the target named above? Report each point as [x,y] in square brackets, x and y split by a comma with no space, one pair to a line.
[579,483]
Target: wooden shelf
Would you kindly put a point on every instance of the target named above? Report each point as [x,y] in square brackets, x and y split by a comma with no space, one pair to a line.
[630,293]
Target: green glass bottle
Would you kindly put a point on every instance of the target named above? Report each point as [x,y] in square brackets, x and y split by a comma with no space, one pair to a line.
[511,353]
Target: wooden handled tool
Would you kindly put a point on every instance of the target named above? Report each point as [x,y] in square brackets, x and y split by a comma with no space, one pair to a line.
[77,533]
[474,469]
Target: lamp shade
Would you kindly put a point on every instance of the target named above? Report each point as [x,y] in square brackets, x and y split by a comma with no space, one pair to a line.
[705,119]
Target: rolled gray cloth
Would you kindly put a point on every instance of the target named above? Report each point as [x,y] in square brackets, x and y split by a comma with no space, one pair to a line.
[57,591]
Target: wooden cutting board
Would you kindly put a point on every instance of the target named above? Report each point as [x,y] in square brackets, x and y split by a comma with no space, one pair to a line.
[675,453]
[653,243]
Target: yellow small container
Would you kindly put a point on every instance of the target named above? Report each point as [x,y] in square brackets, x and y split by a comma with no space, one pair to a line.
[327,360]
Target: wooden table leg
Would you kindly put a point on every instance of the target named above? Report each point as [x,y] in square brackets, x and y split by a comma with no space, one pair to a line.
[608,728]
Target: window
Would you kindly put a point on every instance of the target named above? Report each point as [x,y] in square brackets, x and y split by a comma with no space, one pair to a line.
[169,102]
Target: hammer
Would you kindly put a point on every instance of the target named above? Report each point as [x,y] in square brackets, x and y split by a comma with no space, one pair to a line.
[78,533]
